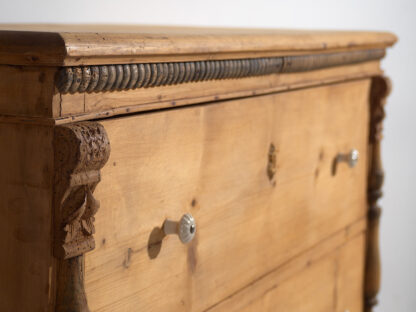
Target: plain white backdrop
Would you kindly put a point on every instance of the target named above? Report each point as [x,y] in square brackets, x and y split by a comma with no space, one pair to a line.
[398,231]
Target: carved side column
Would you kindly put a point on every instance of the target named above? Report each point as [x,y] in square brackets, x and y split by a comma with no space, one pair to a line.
[380,88]
[81,150]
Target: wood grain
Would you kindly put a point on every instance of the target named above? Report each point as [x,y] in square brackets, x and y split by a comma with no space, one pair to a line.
[70,294]
[350,271]
[27,90]
[56,45]
[331,283]
[27,267]
[277,229]
[266,288]
[212,161]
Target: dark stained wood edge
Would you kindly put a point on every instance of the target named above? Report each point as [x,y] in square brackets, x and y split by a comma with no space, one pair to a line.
[80,151]
[71,295]
[380,89]
[31,47]
[131,76]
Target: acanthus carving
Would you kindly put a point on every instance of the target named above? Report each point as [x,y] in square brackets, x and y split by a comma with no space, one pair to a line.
[81,150]
[380,89]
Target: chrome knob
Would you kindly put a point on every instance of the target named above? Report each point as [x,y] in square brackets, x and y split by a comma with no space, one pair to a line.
[185,228]
[351,158]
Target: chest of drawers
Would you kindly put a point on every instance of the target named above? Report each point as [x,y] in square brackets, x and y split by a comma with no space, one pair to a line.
[175,169]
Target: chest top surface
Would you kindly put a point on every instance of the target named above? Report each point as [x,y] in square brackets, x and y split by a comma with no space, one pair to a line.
[57,45]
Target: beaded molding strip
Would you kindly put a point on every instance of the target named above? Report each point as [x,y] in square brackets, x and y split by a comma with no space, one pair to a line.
[131,76]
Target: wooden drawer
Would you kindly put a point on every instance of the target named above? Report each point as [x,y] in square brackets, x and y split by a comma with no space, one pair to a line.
[213,161]
[318,282]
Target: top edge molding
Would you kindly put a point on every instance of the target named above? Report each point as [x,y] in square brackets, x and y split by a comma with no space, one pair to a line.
[73,45]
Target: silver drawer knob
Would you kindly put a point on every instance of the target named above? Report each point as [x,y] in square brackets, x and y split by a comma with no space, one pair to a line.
[351,158]
[185,228]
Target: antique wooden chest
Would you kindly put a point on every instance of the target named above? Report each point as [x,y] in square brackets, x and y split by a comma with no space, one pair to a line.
[183,169]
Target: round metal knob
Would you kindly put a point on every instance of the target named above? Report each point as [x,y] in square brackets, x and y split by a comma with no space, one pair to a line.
[185,228]
[351,158]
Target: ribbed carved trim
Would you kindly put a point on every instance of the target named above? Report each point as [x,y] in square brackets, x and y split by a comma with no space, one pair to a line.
[132,76]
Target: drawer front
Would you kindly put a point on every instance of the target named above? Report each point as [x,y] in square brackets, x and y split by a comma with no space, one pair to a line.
[215,161]
[332,283]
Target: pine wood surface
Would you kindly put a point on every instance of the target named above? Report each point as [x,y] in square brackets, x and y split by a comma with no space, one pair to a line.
[56,45]
[332,283]
[27,267]
[212,161]
[253,162]
[27,91]
[346,294]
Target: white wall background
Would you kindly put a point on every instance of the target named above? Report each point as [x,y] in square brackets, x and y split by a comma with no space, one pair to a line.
[398,233]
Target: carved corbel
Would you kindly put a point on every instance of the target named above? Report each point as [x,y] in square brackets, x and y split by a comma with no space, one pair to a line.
[380,88]
[81,150]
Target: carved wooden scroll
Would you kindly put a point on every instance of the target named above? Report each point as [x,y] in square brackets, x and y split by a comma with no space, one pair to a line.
[380,88]
[81,150]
